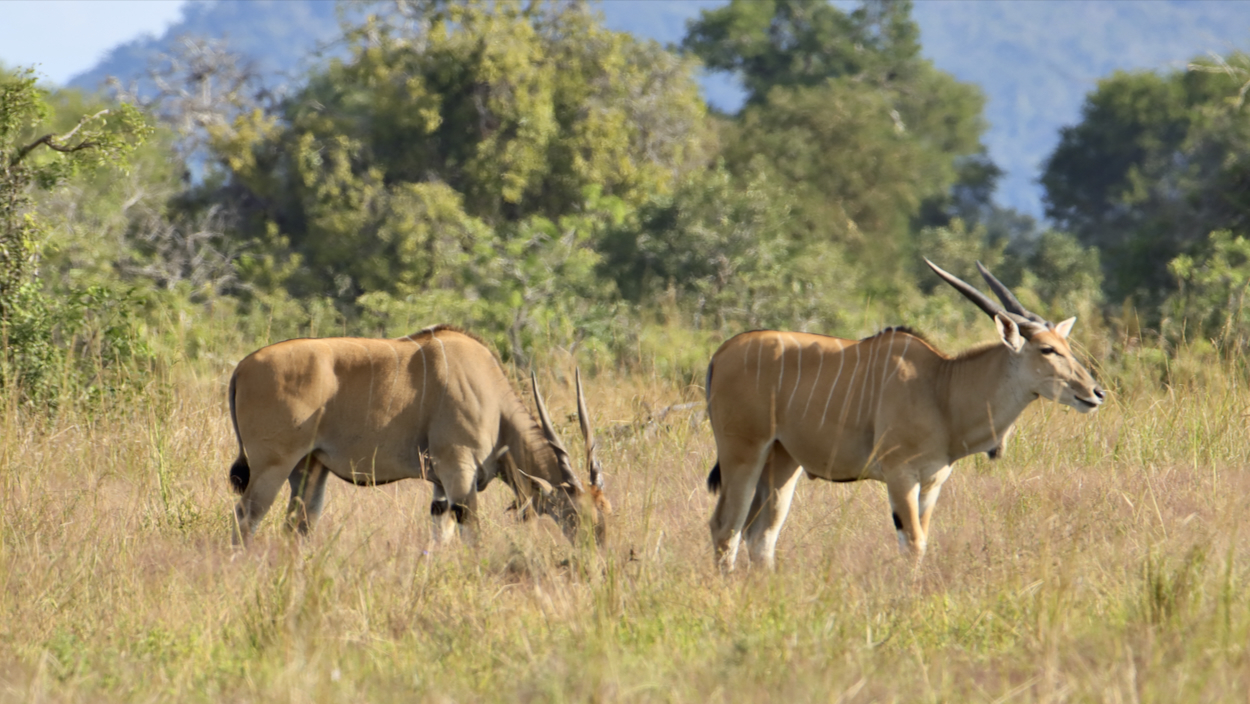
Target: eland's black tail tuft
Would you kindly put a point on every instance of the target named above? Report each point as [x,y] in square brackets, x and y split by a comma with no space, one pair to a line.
[239,475]
[713,478]
[240,472]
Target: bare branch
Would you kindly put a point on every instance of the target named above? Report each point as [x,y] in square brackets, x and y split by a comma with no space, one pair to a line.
[57,143]
[199,87]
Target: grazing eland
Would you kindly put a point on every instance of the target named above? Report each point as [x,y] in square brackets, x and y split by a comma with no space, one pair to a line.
[435,405]
[889,407]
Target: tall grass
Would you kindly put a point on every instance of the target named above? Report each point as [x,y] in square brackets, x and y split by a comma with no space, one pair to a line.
[1103,559]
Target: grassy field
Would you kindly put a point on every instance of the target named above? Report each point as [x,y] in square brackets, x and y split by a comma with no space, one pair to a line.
[1105,558]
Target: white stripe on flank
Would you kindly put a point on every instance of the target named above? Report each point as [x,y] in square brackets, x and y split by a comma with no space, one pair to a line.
[424,367]
[783,361]
[798,365]
[885,366]
[850,389]
[841,361]
[819,366]
[394,382]
[446,368]
[759,359]
[864,389]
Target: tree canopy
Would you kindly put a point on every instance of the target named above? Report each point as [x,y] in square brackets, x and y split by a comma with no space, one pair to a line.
[451,120]
[846,114]
[1157,163]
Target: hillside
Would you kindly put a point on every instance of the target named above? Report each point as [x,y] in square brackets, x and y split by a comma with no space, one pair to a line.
[1034,61]
[280,36]
[1037,60]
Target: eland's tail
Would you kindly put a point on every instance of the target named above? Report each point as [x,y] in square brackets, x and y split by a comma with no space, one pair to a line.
[713,477]
[240,472]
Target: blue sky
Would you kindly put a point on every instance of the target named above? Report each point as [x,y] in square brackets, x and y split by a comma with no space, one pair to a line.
[64,37]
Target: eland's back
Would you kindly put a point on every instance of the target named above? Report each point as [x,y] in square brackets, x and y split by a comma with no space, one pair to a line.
[369,406]
[434,405]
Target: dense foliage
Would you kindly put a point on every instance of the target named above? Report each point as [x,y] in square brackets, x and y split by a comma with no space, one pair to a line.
[519,169]
[1157,163]
[846,115]
[42,332]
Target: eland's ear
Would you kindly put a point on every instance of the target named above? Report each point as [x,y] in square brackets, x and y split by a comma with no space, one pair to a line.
[544,486]
[1009,332]
[1065,328]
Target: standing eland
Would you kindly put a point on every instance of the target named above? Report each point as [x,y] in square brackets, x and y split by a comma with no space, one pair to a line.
[435,405]
[889,407]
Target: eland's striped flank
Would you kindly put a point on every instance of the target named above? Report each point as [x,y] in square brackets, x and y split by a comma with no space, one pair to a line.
[890,407]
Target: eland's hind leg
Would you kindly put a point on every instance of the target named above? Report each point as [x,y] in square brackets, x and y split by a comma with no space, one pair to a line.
[740,466]
[308,486]
[773,494]
[265,480]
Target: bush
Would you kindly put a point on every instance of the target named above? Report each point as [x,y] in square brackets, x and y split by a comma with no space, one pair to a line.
[80,345]
[1210,300]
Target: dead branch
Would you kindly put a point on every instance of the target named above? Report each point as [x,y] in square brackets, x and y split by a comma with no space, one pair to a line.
[57,143]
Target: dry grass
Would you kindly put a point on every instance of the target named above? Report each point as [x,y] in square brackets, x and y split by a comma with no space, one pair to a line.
[1104,559]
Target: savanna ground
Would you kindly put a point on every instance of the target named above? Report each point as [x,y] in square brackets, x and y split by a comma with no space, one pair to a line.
[1103,559]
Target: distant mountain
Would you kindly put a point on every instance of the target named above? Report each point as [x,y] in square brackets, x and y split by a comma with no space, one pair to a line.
[279,36]
[1034,60]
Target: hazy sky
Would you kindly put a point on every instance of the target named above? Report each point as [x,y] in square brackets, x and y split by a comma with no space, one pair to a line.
[64,37]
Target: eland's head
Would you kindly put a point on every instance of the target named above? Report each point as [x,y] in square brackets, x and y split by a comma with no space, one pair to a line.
[569,502]
[1045,363]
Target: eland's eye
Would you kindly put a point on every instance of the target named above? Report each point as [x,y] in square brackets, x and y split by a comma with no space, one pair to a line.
[1048,350]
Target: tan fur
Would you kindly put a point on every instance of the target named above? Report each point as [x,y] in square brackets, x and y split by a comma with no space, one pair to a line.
[434,405]
[890,408]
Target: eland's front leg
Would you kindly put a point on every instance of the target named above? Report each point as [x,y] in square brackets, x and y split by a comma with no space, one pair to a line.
[930,489]
[442,523]
[456,472]
[904,490]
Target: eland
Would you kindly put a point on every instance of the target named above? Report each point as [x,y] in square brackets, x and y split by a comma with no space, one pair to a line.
[890,407]
[434,405]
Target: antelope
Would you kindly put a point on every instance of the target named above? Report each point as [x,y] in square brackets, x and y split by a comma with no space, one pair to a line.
[890,407]
[435,405]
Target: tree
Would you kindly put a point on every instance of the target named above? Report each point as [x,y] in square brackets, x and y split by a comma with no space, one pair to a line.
[197,90]
[848,117]
[458,121]
[802,43]
[721,246]
[34,327]
[28,161]
[1157,162]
